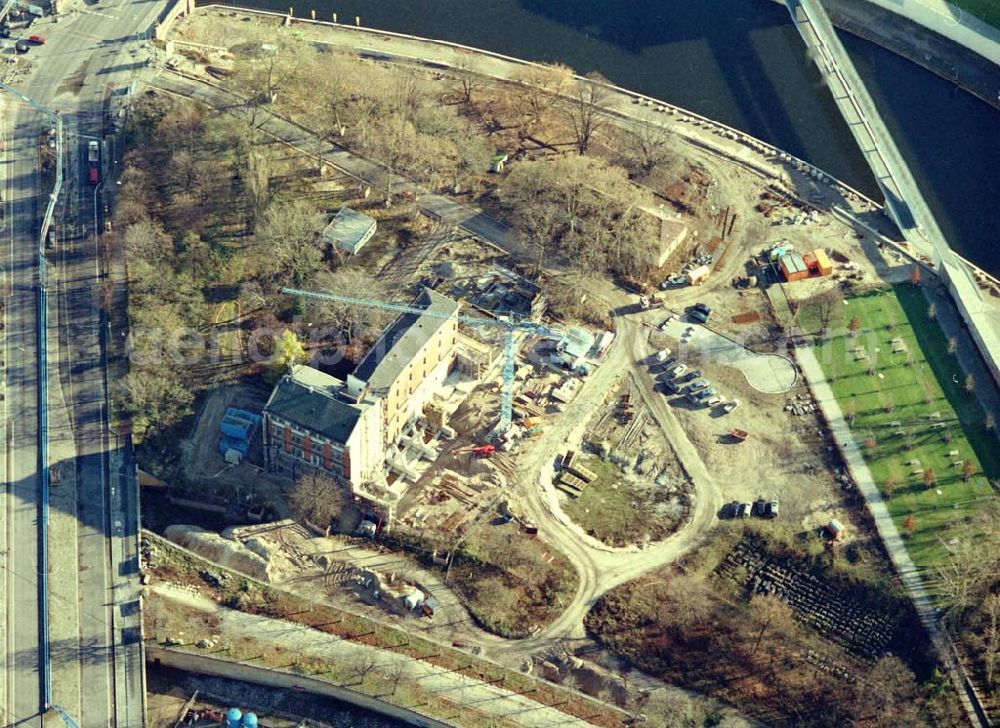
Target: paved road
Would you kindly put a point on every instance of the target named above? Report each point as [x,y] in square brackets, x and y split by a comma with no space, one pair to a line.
[769,373]
[21,683]
[96,662]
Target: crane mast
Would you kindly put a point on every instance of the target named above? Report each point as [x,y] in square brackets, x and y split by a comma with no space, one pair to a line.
[510,326]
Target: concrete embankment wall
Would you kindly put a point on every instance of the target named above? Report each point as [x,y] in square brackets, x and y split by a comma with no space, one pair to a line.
[257,675]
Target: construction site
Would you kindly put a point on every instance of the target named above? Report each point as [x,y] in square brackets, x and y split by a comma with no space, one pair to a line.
[496,467]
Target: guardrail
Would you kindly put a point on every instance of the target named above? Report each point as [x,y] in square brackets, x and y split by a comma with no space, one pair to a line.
[43,403]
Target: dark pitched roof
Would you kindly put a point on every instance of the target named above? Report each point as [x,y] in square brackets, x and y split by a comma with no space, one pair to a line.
[401,341]
[313,409]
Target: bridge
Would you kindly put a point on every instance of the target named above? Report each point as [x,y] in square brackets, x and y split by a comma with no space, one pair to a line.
[904,202]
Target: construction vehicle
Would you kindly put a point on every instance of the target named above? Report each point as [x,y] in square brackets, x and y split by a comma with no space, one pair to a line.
[480,451]
[648,302]
[510,326]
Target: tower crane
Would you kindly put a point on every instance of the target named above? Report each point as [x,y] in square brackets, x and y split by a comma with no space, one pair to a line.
[70,723]
[510,327]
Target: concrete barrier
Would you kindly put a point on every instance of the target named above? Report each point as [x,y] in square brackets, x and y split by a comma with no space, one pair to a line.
[273,678]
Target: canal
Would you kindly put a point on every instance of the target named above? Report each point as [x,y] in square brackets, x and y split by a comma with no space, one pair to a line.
[742,63]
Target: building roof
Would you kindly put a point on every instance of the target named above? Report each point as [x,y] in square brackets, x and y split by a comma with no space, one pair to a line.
[702,271]
[401,341]
[576,342]
[822,258]
[349,229]
[792,263]
[309,398]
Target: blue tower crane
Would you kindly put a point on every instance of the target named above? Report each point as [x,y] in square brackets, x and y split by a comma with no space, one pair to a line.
[65,716]
[511,329]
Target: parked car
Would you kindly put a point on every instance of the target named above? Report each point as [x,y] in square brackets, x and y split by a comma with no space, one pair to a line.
[772,509]
[663,324]
[703,308]
[730,510]
[36,39]
[678,370]
[670,387]
[699,316]
[703,394]
[661,355]
[21,47]
[714,401]
[730,406]
[746,509]
[668,363]
[696,385]
[691,375]
[760,507]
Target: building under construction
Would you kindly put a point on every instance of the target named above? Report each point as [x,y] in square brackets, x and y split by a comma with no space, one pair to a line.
[365,431]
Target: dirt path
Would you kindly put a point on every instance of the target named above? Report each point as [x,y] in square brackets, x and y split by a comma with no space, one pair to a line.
[487,698]
[602,567]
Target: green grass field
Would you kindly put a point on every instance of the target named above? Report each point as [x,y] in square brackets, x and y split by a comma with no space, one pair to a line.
[910,394]
[988,10]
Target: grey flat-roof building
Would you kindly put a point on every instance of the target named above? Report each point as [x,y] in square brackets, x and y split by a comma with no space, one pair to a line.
[349,230]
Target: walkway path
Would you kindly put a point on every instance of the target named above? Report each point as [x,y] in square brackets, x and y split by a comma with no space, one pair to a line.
[492,700]
[908,572]
[468,217]
[950,21]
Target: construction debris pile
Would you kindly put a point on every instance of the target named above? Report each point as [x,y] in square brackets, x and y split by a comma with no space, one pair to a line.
[864,632]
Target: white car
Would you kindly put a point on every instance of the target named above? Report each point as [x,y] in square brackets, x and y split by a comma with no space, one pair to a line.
[730,406]
[678,370]
[661,355]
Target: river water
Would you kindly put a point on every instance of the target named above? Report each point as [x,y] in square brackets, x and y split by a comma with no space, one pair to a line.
[740,62]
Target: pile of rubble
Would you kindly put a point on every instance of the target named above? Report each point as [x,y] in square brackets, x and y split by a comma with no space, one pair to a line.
[800,404]
[818,603]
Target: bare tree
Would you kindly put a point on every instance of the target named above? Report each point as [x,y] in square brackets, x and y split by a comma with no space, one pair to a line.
[952,344]
[887,695]
[353,322]
[930,477]
[968,470]
[854,325]
[689,601]
[991,653]
[469,81]
[649,145]
[587,112]
[395,674]
[990,422]
[537,89]
[932,311]
[770,614]
[363,666]
[288,239]
[157,398]
[317,499]
[970,383]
